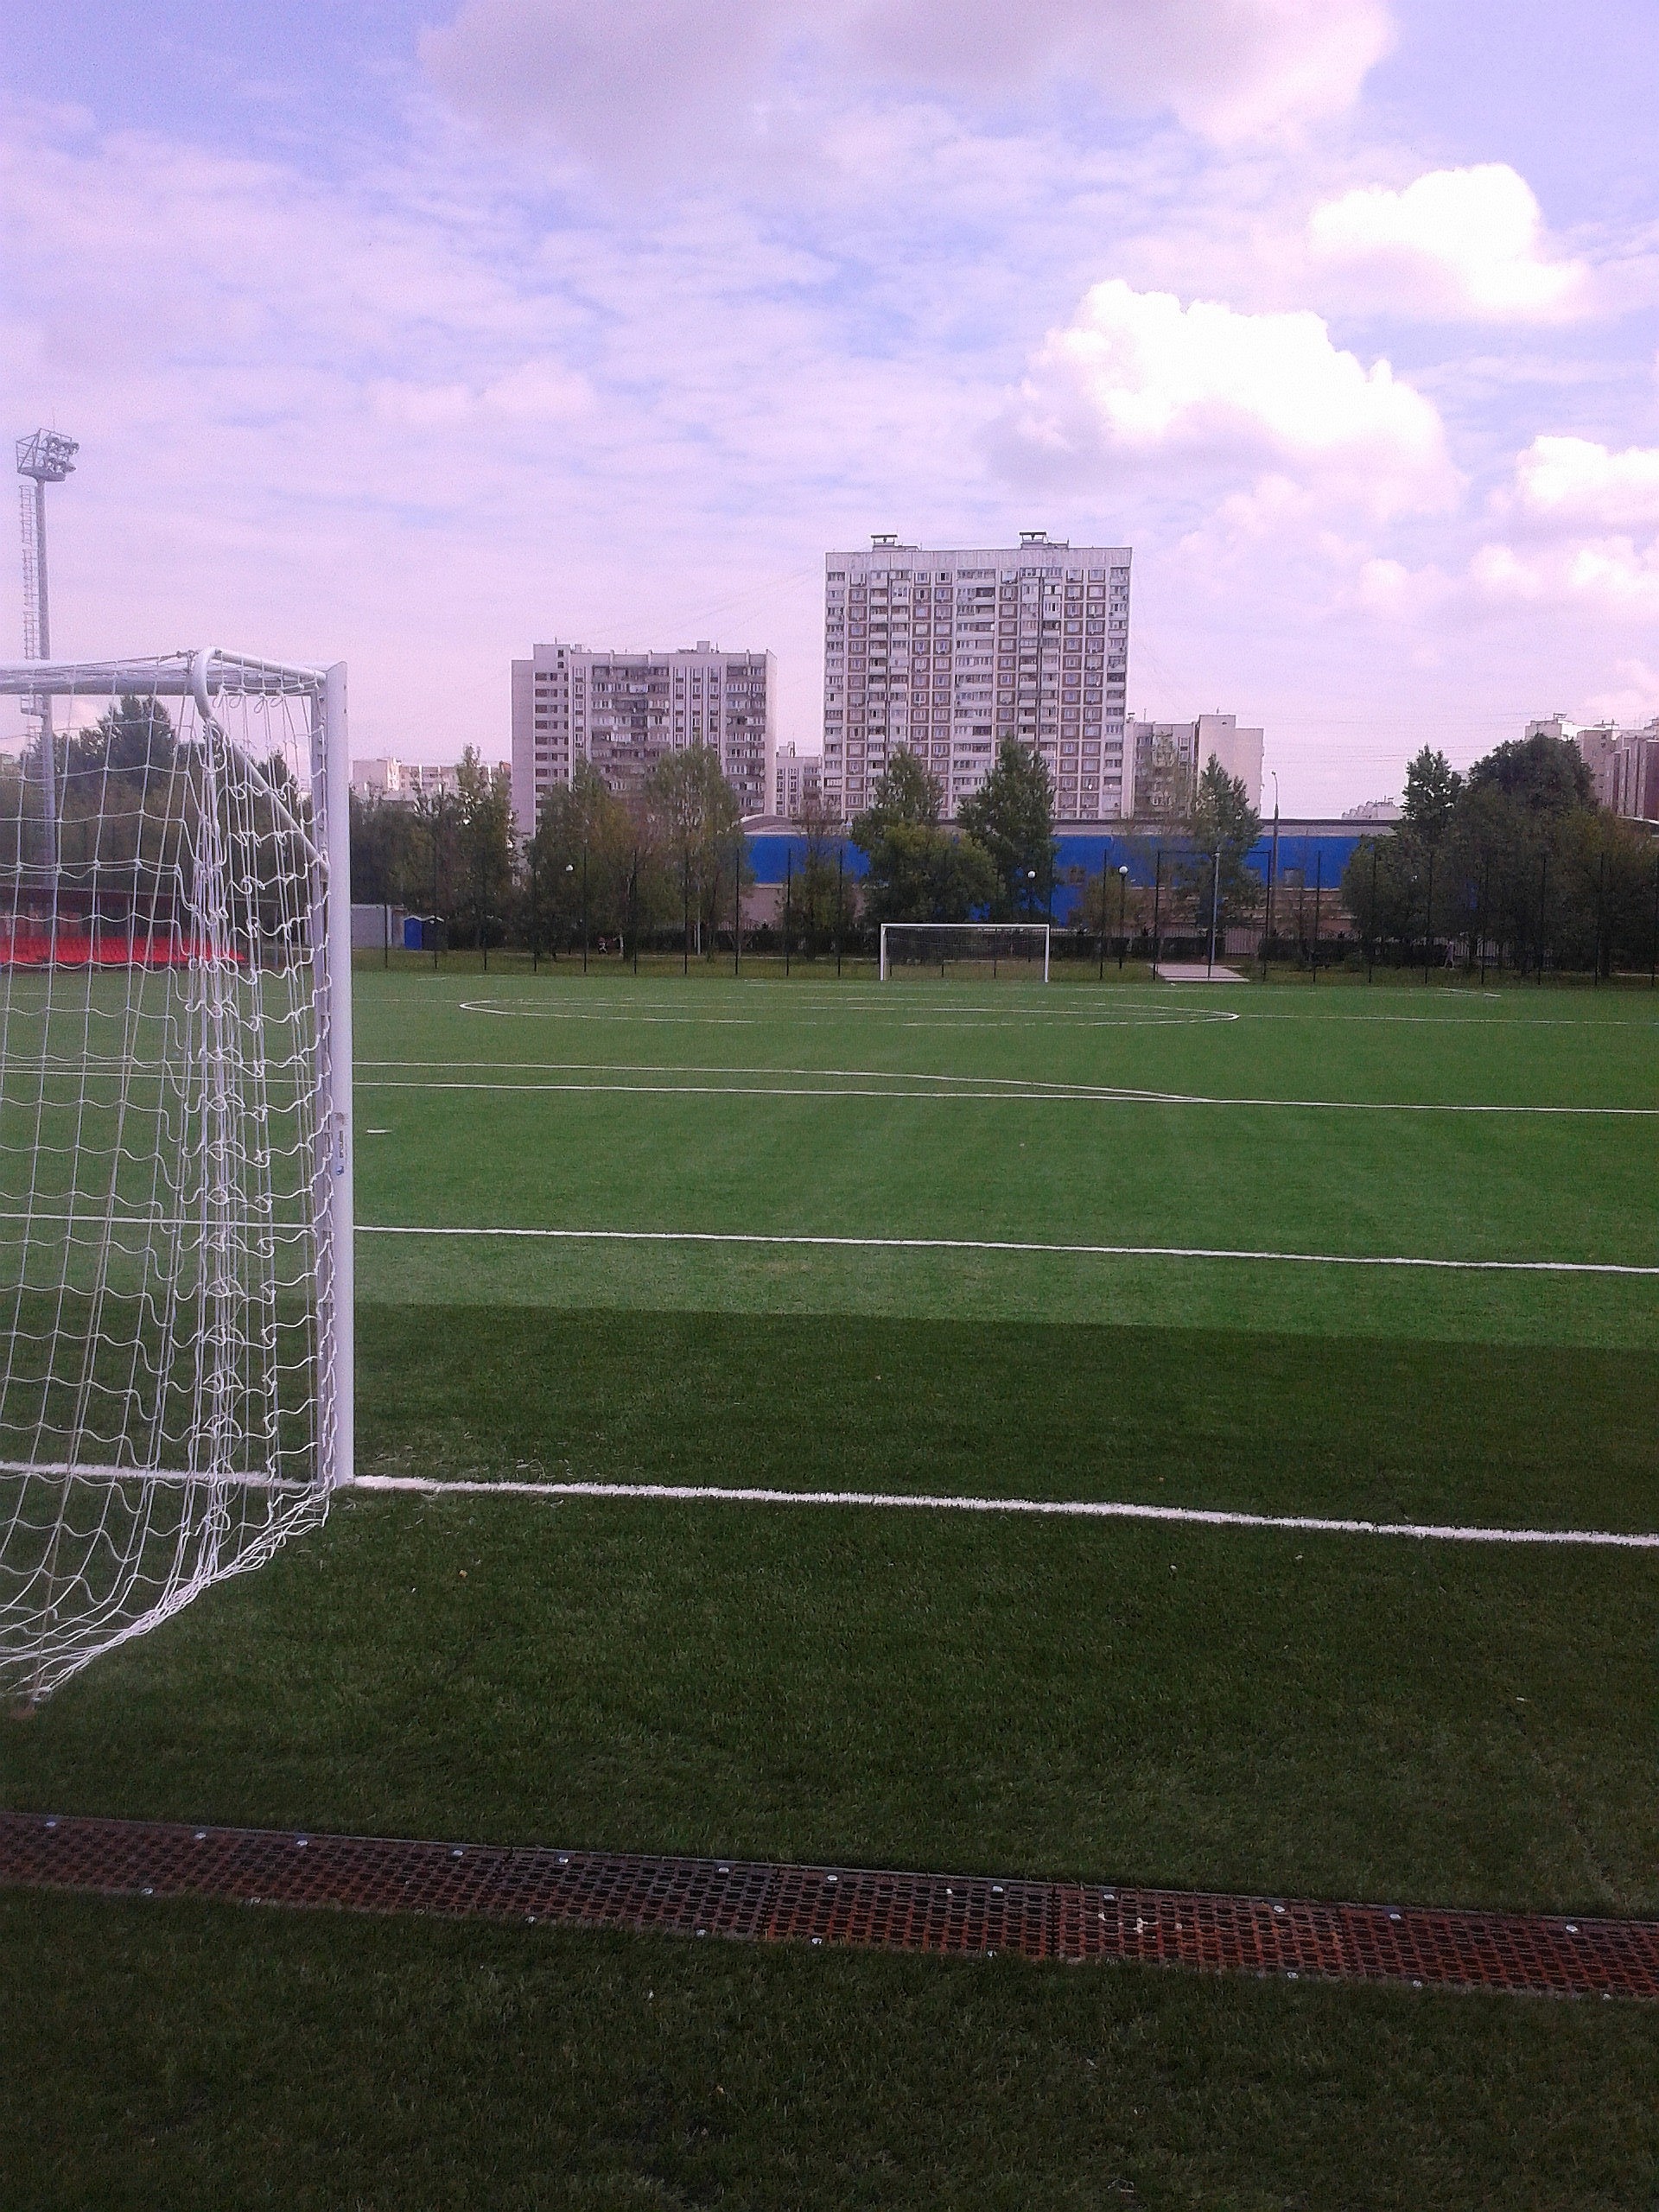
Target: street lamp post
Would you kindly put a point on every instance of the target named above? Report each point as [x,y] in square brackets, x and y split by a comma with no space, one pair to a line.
[1318,893]
[1272,874]
[1101,973]
[1122,915]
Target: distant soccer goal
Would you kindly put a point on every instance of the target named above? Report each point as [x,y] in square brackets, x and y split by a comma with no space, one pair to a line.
[175,1396]
[993,949]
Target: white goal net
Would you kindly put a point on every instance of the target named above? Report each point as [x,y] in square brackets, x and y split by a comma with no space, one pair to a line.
[994,949]
[175,1381]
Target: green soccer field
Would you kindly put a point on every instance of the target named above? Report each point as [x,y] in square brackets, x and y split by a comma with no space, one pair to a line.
[967,1240]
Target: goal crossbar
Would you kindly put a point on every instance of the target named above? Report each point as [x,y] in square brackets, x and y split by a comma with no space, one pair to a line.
[943,935]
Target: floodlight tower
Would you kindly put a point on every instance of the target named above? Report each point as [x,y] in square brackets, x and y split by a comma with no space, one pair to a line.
[44,457]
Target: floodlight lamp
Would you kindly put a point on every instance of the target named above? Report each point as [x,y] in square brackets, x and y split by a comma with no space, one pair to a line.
[47,455]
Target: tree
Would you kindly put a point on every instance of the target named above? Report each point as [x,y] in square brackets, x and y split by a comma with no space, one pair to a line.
[1544,774]
[1224,826]
[814,888]
[917,871]
[698,839]
[1011,816]
[1432,786]
[583,850]
[387,845]
[483,835]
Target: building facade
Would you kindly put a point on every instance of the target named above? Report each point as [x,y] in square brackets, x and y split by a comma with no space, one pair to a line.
[1636,775]
[796,778]
[405,783]
[622,712]
[1624,775]
[943,654]
[1165,761]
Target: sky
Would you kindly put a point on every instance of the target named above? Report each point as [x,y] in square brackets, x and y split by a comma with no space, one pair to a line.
[412,334]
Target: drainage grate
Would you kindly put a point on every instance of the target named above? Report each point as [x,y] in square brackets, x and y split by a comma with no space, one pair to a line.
[945,1914]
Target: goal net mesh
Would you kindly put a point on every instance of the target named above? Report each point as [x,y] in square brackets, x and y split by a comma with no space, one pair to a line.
[170,1379]
[1014,948]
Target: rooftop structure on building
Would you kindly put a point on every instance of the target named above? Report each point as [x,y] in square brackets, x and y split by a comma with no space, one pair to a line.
[1374,810]
[945,653]
[621,712]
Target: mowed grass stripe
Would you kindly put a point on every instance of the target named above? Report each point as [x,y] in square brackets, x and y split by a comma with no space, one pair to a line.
[1214,1420]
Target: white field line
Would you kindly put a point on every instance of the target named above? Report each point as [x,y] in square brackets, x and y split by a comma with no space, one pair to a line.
[1007,1244]
[1066,1508]
[991,1087]
[947,1017]
[859,999]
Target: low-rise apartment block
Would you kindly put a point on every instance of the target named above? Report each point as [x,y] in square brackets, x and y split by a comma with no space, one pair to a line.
[404,783]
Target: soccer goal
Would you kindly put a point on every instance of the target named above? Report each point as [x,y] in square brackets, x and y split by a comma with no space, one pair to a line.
[994,949]
[175,1161]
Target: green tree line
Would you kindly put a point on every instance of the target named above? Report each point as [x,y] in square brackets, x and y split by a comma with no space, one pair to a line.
[1514,861]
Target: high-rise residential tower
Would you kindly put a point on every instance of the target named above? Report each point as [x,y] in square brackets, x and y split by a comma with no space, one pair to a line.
[944,654]
[622,712]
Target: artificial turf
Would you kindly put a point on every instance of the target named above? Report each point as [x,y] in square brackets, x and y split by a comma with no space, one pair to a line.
[211,2058]
[1187,1706]
[1181,1705]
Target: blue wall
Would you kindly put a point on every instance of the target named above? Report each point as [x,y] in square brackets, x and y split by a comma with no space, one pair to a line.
[1319,850]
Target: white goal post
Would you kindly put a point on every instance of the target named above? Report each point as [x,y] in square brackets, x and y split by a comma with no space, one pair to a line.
[1019,946]
[175,1138]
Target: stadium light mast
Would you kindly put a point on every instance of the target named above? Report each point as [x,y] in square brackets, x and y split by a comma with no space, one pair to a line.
[44,457]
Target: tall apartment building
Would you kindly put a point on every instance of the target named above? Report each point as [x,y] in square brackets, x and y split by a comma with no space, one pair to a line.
[945,653]
[622,712]
[797,777]
[1167,758]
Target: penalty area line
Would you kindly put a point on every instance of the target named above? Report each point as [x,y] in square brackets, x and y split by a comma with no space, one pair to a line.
[1061,1509]
[1009,1244]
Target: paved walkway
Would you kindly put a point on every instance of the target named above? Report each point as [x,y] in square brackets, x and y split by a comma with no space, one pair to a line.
[1195,971]
[855,1907]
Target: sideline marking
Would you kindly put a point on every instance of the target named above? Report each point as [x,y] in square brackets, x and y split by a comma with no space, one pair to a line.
[1068,1509]
[1007,1244]
[1016,1089]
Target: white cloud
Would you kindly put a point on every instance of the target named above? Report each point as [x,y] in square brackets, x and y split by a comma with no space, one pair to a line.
[660,85]
[1616,577]
[1135,376]
[1632,700]
[1576,480]
[1460,243]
